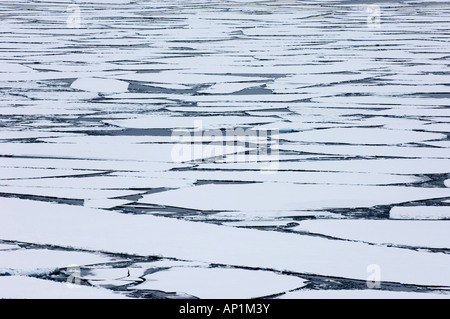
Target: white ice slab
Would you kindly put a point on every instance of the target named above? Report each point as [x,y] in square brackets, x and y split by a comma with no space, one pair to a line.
[221,283]
[42,111]
[138,152]
[100,85]
[420,212]
[371,150]
[13,67]
[437,127]
[429,234]
[43,261]
[362,136]
[177,77]
[25,172]
[67,193]
[281,196]
[131,165]
[104,182]
[147,235]
[199,122]
[343,178]
[386,166]
[19,287]
[16,134]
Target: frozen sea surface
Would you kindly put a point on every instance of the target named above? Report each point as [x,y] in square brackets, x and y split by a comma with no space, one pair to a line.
[112,178]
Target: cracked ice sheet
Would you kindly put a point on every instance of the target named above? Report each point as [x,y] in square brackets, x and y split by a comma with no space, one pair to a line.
[96,230]
[19,287]
[426,234]
[221,283]
[280,196]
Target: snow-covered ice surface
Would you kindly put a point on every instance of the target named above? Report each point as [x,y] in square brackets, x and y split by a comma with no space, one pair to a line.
[356,205]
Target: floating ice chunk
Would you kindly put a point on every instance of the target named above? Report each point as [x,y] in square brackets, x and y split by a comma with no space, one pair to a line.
[437,127]
[429,234]
[19,287]
[221,283]
[250,218]
[443,144]
[139,152]
[398,104]
[100,85]
[420,212]
[13,68]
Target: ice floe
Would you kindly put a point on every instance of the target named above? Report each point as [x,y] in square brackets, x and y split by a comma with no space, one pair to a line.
[100,85]
[20,287]
[420,212]
[278,196]
[396,232]
[220,283]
